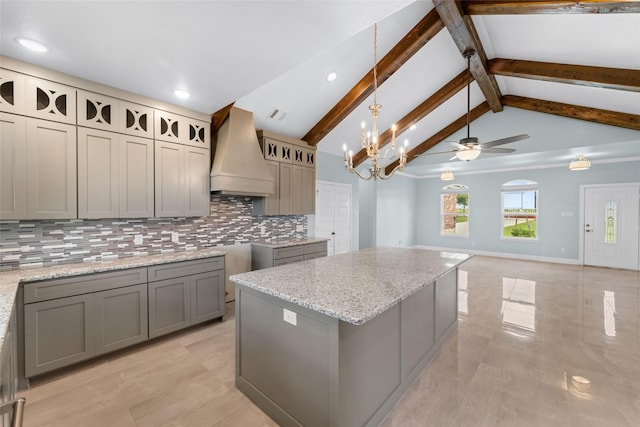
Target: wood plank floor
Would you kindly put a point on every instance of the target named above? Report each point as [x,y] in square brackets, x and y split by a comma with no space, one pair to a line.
[525,329]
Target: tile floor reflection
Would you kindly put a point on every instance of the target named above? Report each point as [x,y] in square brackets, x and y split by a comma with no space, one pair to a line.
[528,332]
[529,335]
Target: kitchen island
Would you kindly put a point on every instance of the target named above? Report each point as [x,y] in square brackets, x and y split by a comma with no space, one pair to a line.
[336,341]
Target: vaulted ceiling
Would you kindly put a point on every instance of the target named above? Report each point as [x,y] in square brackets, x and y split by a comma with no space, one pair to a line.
[537,61]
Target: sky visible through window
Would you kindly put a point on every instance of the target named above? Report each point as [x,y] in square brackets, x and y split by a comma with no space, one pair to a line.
[520,200]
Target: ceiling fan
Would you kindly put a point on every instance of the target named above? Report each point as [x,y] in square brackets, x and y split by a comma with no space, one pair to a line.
[469,148]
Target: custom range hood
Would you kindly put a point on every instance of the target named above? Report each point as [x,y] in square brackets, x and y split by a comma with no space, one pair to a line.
[238,167]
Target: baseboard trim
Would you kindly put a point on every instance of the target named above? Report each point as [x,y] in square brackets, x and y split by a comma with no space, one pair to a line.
[504,255]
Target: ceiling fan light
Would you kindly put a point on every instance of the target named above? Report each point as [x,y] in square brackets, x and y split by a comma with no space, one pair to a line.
[447,176]
[580,163]
[468,155]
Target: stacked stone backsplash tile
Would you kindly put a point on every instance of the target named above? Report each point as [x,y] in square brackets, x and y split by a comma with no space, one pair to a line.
[51,242]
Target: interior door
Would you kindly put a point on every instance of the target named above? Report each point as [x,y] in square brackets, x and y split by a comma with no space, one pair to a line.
[612,217]
[333,216]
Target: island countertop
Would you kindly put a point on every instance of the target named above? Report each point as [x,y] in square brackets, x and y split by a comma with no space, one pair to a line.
[355,286]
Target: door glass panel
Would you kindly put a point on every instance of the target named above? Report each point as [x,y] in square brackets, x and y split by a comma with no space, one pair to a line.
[610,222]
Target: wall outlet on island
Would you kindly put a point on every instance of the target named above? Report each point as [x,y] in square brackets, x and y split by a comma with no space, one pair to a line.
[290,316]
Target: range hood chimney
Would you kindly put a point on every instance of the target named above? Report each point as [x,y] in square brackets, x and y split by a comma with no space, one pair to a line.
[238,167]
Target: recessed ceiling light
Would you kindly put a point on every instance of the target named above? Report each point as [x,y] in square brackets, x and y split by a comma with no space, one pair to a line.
[412,127]
[32,45]
[332,76]
[182,94]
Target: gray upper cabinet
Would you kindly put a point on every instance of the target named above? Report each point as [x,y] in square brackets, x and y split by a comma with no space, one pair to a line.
[51,170]
[12,92]
[50,101]
[135,119]
[13,167]
[293,168]
[115,175]
[181,180]
[136,177]
[76,149]
[97,111]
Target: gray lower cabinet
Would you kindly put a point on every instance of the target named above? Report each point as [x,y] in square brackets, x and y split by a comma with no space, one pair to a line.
[72,319]
[63,331]
[446,302]
[266,256]
[190,292]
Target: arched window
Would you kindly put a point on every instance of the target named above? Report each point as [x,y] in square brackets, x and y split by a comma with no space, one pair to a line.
[520,210]
[454,209]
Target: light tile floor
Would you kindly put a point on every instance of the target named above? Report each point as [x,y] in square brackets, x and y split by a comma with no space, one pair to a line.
[525,330]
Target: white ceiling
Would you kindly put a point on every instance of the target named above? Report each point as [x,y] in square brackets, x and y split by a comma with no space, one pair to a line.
[266,54]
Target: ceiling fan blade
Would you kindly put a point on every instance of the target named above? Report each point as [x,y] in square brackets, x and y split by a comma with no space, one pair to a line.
[498,150]
[453,158]
[427,153]
[505,140]
[457,145]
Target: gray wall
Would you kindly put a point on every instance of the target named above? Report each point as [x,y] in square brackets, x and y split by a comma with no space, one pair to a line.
[558,217]
[396,211]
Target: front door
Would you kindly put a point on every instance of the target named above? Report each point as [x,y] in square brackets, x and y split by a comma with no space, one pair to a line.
[612,218]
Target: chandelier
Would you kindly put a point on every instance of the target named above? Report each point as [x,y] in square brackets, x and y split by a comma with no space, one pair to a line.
[369,139]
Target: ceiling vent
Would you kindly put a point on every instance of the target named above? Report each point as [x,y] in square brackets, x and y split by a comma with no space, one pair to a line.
[277,114]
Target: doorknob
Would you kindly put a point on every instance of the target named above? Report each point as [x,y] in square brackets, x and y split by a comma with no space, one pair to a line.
[333,233]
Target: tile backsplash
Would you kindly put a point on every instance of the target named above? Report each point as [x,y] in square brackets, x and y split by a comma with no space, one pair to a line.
[51,242]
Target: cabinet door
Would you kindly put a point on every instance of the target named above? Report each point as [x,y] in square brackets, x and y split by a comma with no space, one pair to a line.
[197,202]
[121,318]
[97,111]
[308,191]
[135,119]
[12,92]
[207,296]
[13,171]
[98,174]
[169,306]
[169,127]
[286,172]
[58,333]
[136,177]
[297,174]
[9,368]
[272,201]
[169,179]
[50,101]
[51,170]
[198,134]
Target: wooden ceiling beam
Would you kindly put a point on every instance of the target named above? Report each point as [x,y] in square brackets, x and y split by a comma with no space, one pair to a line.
[219,117]
[473,7]
[596,115]
[427,106]
[441,135]
[411,43]
[464,35]
[608,78]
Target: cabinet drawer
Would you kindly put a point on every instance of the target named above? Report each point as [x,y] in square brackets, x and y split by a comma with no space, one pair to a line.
[285,261]
[287,252]
[70,286]
[185,268]
[314,255]
[314,248]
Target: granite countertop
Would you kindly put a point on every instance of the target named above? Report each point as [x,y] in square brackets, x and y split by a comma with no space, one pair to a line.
[355,286]
[10,280]
[288,243]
